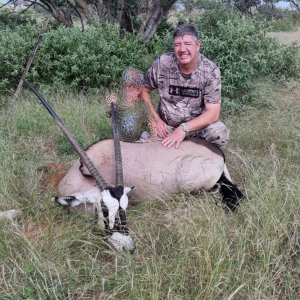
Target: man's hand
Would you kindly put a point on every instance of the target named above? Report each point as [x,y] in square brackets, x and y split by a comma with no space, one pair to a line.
[161,128]
[174,138]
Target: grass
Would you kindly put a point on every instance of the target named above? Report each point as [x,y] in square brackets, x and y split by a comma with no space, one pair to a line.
[187,247]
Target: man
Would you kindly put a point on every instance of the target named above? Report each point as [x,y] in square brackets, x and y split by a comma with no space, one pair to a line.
[189,86]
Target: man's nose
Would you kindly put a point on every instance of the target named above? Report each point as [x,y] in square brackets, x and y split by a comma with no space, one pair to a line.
[182,48]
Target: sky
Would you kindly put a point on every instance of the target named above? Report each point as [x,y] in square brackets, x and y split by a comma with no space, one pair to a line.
[283,4]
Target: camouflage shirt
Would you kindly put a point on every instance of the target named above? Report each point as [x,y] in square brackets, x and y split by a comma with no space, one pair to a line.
[183,97]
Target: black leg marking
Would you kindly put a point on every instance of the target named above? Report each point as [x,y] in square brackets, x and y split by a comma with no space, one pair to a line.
[231,195]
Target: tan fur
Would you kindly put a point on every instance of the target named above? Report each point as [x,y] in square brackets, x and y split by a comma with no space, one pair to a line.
[153,169]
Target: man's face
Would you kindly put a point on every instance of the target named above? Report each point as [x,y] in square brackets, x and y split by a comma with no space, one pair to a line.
[186,50]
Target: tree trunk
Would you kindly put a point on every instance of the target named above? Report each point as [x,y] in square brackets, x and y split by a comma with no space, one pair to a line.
[84,8]
[120,10]
[155,17]
[100,10]
[60,13]
[110,13]
[63,16]
[153,21]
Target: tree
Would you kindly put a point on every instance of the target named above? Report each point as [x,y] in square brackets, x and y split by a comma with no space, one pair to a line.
[156,11]
[295,4]
[140,17]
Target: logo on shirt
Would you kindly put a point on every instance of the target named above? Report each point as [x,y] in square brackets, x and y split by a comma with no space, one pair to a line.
[183,91]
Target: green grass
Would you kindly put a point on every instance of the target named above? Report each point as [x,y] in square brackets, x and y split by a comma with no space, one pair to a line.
[187,247]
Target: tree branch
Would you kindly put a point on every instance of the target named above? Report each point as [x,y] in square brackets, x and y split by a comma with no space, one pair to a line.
[7,3]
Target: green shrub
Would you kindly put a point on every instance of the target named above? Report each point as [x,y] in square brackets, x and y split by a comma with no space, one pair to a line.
[89,59]
[15,48]
[161,43]
[11,20]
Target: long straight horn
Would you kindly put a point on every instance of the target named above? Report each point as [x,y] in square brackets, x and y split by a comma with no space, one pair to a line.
[117,146]
[85,159]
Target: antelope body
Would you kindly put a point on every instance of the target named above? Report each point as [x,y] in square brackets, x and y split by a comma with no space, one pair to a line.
[153,169]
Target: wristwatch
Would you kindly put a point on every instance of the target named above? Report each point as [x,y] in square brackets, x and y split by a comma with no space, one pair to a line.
[185,127]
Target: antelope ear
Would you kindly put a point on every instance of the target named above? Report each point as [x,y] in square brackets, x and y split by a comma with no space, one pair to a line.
[128,189]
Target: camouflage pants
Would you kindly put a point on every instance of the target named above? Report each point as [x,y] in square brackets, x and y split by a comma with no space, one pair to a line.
[216,133]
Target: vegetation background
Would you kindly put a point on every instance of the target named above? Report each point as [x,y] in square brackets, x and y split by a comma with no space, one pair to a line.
[187,247]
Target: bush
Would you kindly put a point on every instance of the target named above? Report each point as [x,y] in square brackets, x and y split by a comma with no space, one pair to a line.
[15,47]
[87,59]
[11,20]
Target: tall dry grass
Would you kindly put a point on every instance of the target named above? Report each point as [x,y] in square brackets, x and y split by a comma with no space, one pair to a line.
[187,247]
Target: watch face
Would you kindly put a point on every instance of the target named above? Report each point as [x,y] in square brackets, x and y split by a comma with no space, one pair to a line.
[185,127]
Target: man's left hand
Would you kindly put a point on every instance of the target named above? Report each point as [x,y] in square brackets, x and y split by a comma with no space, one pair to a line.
[174,138]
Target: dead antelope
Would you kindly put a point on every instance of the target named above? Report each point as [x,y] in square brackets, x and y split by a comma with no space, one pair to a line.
[110,202]
[156,170]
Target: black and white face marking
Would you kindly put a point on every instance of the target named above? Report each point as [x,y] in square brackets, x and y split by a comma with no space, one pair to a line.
[115,200]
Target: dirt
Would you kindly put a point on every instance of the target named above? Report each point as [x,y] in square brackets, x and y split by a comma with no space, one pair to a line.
[53,173]
[287,38]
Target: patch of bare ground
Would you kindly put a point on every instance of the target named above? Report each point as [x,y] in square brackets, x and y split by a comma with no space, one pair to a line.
[287,38]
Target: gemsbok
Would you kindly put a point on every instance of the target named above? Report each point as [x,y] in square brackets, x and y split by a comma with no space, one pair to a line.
[156,171]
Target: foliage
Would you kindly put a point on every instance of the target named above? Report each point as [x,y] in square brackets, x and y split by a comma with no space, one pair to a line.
[161,43]
[141,17]
[190,5]
[13,19]
[266,8]
[15,47]
[67,56]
